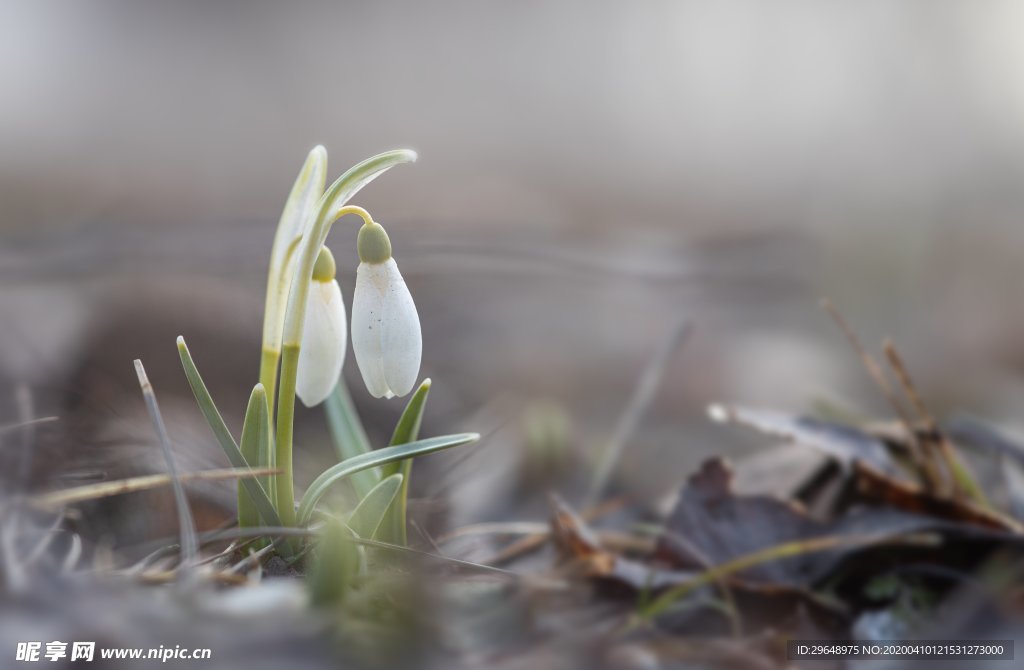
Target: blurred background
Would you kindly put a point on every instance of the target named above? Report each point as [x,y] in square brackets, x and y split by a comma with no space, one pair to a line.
[589,174]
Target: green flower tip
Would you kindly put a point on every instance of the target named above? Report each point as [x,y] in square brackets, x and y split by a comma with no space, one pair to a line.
[324,269]
[373,243]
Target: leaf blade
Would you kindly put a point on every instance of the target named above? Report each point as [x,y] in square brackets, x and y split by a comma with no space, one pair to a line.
[349,436]
[406,430]
[408,427]
[374,459]
[223,435]
[253,447]
[371,510]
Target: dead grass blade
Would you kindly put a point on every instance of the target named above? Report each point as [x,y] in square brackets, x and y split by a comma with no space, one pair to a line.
[187,524]
[56,499]
[918,451]
[20,425]
[960,478]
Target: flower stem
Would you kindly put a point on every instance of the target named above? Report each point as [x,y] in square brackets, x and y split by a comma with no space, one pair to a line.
[268,375]
[294,318]
[285,494]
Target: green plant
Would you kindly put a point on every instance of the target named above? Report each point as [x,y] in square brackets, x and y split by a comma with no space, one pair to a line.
[304,342]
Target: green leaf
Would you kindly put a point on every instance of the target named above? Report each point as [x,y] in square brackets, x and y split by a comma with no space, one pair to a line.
[407,430]
[370,511]
[408,427]
[267,455]
[374,459]
[224,437]
[349,436]
[255,449]
[300,206]
[335,565]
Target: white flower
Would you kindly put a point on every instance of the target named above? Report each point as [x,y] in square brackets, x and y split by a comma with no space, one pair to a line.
[386,333]
[322,352]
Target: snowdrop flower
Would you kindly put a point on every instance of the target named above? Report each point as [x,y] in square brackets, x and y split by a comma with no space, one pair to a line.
[322,352]
[386,334]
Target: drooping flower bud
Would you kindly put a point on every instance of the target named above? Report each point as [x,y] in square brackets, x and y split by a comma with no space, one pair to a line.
[386,336]
[322,352]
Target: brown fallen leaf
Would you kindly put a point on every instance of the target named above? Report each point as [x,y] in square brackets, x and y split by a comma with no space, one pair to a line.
[867,452]
[578,543]
[728,562]
[757,604]
[711,526]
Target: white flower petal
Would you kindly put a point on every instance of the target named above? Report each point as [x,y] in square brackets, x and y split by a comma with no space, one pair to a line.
[366,320]
[386,333]
[322,353]
[402,341]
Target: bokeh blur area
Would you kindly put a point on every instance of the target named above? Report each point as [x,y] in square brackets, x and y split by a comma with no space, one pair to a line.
[589,173]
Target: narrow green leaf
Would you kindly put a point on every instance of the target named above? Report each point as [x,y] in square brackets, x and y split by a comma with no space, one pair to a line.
[298,208]
[349,436]
[266,454]
[408,427]
[254,445]
[224,437]
[370,511]
[393,529]
[374,459]
[335,564]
